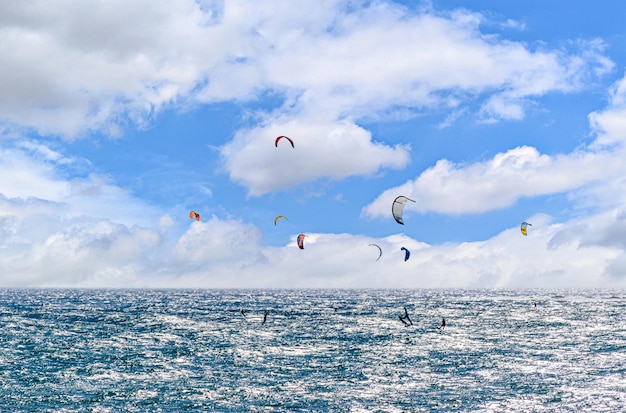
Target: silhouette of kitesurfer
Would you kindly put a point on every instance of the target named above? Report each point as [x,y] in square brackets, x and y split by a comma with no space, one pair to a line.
[265,317]
[406,317]
[443,324]
[243,312]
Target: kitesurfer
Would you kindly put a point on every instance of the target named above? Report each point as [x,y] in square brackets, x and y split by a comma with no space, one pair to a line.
[406,317]
[443,324]
[243,312]
[265,317]
[403,322]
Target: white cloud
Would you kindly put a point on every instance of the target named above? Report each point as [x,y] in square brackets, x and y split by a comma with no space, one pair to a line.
[508,260]
[37,177]
[322,148]
[609,125]
[58,232]
[117,256]
[43,244]
[119,62]
[500,182]
[380,58]
[209,243]
[71,67]
[594,173]
[58,243]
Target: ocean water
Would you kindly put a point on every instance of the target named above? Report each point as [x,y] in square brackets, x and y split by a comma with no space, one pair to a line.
[319,350]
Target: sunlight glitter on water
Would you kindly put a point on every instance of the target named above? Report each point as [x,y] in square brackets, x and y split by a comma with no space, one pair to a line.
[77,350]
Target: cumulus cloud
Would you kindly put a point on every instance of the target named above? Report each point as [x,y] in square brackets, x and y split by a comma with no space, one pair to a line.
[72,68]
[322,149]
[118,257]
[609,124]
[37,177]
[43,244]
[104,64]
[56,243]
[58,232]
[507,260]
[484,186]
[216,242]
[381,58]
[119,63]
[594,171]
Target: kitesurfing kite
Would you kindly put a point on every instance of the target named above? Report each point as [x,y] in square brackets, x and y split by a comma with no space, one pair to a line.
[523,227]
[300,240]
[279,217]
[398,206]
[380,254]
[407,253]
[285,137]
[194,214]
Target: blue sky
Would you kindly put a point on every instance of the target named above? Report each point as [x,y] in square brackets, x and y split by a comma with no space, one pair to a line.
[118,118]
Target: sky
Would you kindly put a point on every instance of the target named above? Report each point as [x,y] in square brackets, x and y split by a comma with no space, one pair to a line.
[118,118]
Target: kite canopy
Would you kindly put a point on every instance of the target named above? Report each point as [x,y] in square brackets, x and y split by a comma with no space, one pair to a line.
[194,214]
[398,206]
[279,217]
[380,253]
[523,227]
[283,137]
[407,253]
[300,241]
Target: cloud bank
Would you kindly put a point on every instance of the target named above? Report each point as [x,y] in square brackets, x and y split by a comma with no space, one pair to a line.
[114,65]
[110,66]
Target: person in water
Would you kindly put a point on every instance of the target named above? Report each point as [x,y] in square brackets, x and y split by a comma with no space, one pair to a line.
[265,317]
[443,324]
[406,315]
[243,312]
[406,320]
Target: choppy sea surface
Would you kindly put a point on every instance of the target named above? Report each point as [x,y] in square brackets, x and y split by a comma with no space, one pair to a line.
[319,350]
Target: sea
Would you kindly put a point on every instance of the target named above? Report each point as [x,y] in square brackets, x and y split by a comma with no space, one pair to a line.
[88,350]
